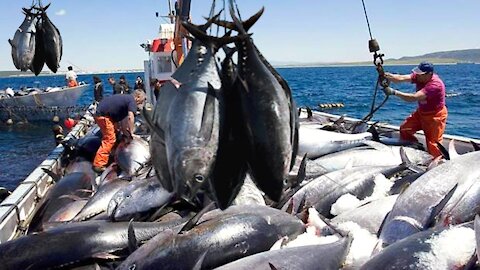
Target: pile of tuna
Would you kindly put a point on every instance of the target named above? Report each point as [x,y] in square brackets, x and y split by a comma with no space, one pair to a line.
[204,192]
[36,42]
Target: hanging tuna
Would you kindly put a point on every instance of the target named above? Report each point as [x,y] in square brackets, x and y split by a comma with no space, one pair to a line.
[23,43]
[37,42]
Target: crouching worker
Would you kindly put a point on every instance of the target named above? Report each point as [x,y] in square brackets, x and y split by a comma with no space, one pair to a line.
[116,111]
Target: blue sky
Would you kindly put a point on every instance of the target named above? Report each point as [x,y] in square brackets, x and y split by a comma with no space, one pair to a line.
[105,34]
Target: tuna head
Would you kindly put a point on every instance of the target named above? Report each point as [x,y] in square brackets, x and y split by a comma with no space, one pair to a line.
[192,168]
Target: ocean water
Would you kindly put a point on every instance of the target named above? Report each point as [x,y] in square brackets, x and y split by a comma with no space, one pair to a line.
[23,147]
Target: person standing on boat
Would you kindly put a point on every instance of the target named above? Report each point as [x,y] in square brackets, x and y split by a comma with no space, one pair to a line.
[116,87]
[156,84]
[117,111]
[97,89]
[139,83]
[431,114]
[71,77]
[123,82]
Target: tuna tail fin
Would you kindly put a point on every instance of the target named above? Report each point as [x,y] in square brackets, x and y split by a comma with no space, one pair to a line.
[408,163]
[476,147]
[217,42]
[246,24]
[444,151]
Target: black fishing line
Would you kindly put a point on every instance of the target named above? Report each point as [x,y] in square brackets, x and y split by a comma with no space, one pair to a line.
[366,17]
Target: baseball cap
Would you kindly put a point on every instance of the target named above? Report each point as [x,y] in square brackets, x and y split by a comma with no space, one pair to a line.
[423,67]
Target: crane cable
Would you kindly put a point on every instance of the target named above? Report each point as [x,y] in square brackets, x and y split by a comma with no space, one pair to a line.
[378,62]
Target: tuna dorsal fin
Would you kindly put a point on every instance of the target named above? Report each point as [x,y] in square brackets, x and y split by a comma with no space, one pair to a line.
[309,112]
[193,221]
[375,135]
[198,264]
[444,151]
[452,151]
[132,239]
[53,175]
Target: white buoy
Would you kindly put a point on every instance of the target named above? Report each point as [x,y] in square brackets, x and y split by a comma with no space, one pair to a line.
[10,122]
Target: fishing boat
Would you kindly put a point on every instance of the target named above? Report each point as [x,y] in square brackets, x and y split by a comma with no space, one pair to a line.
[18,209]
[41,104]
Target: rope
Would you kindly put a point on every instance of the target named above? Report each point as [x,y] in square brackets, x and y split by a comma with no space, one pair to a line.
[366,17]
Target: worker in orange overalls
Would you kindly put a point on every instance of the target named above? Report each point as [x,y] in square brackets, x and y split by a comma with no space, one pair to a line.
[116,111]
[71,77]
[431,114]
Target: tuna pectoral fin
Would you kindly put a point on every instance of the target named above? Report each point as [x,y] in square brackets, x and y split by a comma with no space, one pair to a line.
[476,227]
[132,239]
[193,221]
[206,127]
[438,208]
[151,125]
[301,174]
[444,151]
[198,264]
[105,256]
[272,267]
[53,175]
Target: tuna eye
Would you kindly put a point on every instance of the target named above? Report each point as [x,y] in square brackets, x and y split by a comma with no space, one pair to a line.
[199,178]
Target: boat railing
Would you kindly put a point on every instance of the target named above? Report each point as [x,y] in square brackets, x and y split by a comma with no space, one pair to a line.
[18,208]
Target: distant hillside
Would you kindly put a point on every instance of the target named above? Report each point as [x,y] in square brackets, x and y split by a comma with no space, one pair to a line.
[471,55]
[447,57]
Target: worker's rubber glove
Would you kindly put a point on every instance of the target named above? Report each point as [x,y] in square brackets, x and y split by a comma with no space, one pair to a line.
[389,91]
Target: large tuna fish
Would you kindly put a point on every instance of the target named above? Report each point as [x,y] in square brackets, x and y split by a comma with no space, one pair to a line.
[137,198]
[192,135]
[316,142]
[73,243]
[222,239]
[132,156]
[433,249]
[75,184]
[53,44]
[327,257]
[23,43]
[418,206]
[265,107]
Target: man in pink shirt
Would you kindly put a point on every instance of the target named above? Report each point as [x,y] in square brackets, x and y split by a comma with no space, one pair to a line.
[431,114]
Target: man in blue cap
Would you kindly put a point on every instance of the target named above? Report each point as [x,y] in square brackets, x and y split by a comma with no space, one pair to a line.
[431,114]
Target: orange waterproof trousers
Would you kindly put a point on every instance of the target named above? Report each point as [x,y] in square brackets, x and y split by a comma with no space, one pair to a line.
[107,126]
[72,83]
[433,125]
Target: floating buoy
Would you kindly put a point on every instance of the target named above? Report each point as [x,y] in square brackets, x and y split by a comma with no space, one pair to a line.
[69,123]
[331,105]
[56,119]
[10,121]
